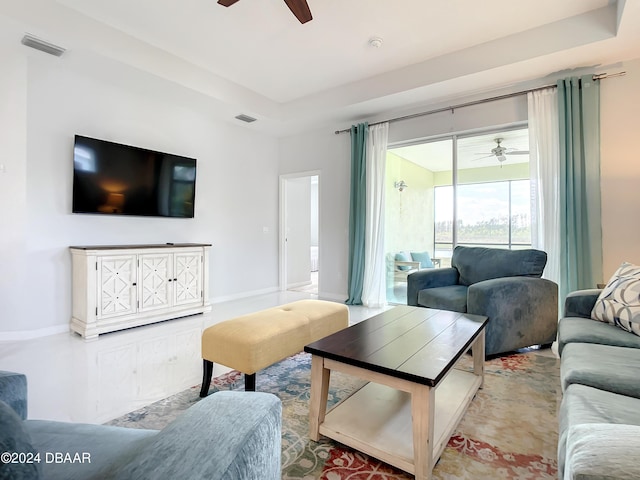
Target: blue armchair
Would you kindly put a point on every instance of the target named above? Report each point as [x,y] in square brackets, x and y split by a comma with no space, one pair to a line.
[226,436]
[503,285]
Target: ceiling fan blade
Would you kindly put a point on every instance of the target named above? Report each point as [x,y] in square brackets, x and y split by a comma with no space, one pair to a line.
[226,3]
[480,158]
[300,9]
[518,152]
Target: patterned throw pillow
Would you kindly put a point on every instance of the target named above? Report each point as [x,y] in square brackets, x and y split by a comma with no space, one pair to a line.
[619,301]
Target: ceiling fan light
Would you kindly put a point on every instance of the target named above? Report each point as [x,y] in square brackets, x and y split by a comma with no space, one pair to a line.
[501,158]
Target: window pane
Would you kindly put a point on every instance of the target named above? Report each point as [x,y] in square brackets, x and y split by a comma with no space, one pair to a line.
[444,214]
[483,213]
[520,213]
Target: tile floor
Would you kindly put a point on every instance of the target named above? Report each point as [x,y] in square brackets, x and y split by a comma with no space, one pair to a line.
[70,379]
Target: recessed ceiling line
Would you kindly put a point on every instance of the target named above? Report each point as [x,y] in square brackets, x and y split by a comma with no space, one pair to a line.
[451,108]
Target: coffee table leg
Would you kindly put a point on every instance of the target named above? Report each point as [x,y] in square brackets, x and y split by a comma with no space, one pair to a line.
[477,350]
[319,392]
[422,408]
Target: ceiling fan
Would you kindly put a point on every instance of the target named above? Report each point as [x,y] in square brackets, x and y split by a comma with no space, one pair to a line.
[299,8]
[500,152]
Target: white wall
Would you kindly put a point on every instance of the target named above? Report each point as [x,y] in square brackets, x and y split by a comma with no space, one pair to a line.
[14,287]
[620,167]
[236,190]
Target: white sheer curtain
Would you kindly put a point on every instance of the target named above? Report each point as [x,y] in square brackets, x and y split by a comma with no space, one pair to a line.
[544,158]
[374,288]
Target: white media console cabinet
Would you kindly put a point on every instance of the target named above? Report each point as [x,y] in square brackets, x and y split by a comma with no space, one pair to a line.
[123,286]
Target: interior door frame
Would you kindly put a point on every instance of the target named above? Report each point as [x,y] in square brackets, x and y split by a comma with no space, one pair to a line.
[282,274]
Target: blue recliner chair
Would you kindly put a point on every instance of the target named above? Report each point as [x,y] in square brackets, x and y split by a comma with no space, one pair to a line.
[503,285]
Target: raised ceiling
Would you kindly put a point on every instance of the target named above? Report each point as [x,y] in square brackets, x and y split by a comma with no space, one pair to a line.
[256,58]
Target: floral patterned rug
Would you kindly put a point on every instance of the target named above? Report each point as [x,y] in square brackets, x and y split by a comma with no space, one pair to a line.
[510,430]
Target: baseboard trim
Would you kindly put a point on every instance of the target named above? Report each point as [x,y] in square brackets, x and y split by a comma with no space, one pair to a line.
[337,297]
[20,335]
[238,296]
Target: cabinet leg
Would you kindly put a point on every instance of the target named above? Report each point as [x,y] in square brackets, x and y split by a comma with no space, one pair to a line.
[249,382]
[207,372]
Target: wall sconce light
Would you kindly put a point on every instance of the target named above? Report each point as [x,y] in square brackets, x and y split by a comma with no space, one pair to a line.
[400,185]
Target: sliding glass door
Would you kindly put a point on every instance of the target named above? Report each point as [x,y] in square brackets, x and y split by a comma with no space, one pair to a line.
[459,190]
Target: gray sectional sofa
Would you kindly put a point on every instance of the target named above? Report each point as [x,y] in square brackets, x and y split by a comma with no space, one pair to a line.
[599,417]
[228,435]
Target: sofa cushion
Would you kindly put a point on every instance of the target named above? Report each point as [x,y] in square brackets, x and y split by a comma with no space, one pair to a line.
[476,264]
[619,301]
[586,405]
[586,330]
[403,257]
[15,439]
[606,367]
[452,298]
[602,451]
[423,257]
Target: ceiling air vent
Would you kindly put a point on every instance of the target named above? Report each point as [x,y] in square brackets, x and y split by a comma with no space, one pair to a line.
[245,118]
[34,42]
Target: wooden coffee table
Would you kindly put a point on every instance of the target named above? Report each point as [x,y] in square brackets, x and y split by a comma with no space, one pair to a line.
[415,397]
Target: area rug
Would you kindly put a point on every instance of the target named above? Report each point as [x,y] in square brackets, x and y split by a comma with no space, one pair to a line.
[509,431]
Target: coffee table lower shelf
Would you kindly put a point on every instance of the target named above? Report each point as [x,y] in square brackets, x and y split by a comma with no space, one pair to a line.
[376,419]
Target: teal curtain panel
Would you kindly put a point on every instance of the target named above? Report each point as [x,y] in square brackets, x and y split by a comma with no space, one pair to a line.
[357,213]
[580,210]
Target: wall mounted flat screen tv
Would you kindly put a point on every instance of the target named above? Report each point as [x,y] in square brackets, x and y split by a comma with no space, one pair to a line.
[114,179]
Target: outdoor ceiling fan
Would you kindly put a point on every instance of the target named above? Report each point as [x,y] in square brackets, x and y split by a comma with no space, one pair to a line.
[299,8]
[500,152]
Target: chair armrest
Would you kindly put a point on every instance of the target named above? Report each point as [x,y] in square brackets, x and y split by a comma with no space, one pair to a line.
[580,303]
[437,263]
[429,278]
[602,450]
[228,435]
[13,392]
[522,311]
[411,265]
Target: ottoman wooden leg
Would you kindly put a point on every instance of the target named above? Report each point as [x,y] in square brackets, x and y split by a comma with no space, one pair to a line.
[207,371]
[249,382]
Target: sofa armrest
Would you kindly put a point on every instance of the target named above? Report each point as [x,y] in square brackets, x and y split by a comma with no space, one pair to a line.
[228,435]
[580,303]
[429,278]
[13,392]
[602,451]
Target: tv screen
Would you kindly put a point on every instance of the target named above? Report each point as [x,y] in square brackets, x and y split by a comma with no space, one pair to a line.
[114,179]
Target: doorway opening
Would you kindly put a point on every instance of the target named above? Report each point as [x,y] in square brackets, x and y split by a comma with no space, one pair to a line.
[299,232]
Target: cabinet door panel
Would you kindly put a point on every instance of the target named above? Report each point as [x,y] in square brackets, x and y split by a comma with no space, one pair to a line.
[187,278]
[155,276]
[116,286]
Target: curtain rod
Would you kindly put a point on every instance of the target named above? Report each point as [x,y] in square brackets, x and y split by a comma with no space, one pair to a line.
[478,102]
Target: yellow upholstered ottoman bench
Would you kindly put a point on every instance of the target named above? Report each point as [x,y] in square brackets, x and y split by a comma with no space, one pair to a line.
[252,342]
